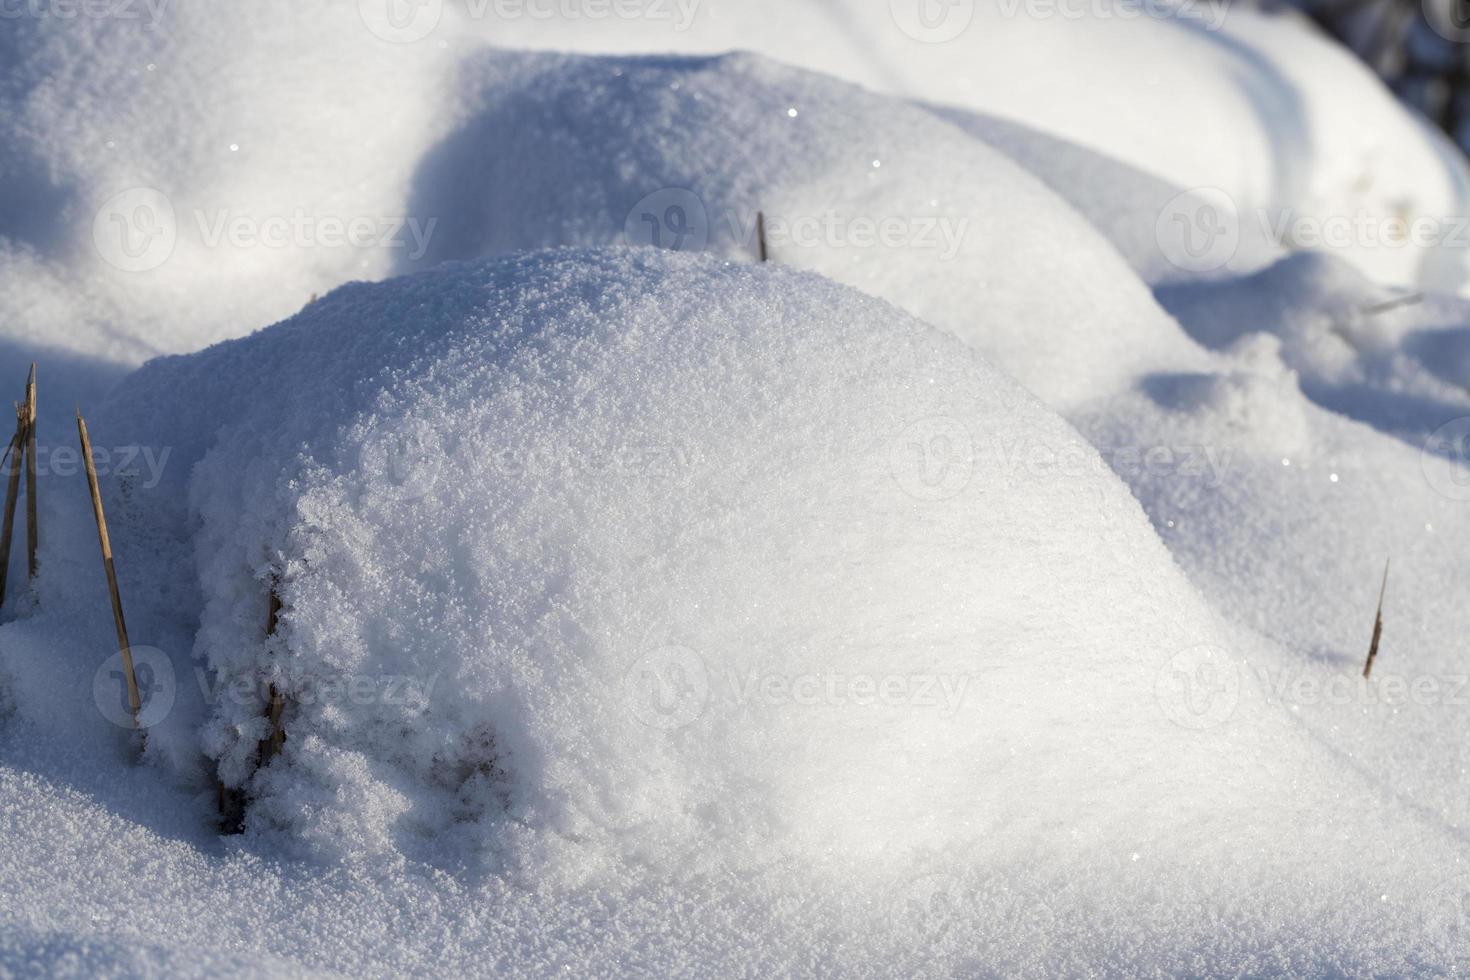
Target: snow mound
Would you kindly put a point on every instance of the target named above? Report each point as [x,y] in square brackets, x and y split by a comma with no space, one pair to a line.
[141,221]
[667,557]
[1399,361]
[1259,105]
[1131,208]
[869,191]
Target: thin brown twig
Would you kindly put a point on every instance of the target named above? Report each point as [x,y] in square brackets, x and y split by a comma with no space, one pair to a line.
[1377,624]
[32,524]
[134,702]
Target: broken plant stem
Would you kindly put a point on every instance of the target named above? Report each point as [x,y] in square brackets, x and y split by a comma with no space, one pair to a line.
[1377,624]
[32,525]
[134,702]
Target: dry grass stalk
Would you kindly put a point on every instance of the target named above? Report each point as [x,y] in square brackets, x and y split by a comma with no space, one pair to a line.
[1377,625]
[32,525]
[134,702]
[15,456]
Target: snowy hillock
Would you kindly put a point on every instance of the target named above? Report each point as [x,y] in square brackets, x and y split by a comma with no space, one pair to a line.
[691,154]
[135,230]
[634,534]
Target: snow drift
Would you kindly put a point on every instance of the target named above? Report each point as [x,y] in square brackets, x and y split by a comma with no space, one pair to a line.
[218,249]
[684,153]
[669,557]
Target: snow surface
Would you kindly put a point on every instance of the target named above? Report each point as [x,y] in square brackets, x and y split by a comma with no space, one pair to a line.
[569,541]
[612,510]
[684,153]
[254,134]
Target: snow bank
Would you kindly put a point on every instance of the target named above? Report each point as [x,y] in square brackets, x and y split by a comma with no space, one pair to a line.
[686,563]
[1337,433]
[146,220]
[1133,210]
[1397,360]
[871,192]
[1260,106]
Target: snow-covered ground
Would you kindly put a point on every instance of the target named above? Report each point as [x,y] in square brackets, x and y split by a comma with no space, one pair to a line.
[979,586]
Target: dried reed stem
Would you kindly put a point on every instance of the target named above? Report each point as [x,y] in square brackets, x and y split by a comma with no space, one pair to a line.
[134,702]
[1377,624]
[32,525]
